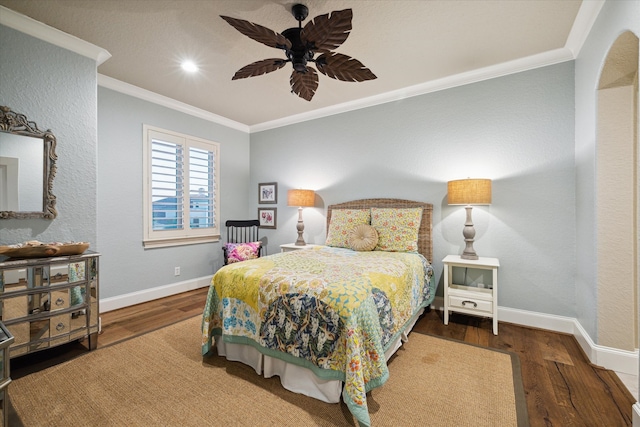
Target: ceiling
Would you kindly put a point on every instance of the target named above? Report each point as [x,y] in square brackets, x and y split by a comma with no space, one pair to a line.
[407,44]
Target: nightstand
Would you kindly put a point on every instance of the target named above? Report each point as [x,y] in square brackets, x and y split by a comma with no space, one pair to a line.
[288,247]
[476,300]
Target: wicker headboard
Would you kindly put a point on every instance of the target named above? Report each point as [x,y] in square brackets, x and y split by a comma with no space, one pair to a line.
[425,241]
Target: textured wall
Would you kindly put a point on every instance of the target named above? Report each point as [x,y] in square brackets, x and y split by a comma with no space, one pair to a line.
[617,256]
[56,89]
[126,266]
[517,130]
[614,18]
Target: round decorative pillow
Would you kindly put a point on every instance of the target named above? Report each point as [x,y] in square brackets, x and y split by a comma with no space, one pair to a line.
[363,237]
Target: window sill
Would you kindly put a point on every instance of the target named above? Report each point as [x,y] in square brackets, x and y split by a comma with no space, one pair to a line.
[179,241]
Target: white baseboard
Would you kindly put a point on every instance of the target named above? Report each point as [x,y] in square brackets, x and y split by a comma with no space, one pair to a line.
[636,415]
[624,361]
[610,358]
[126,300]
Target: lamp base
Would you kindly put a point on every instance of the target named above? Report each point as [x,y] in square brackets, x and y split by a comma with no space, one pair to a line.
[469,233]
[300,228]
[466,255]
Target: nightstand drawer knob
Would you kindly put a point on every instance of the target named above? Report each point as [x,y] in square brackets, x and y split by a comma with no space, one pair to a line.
[464,303]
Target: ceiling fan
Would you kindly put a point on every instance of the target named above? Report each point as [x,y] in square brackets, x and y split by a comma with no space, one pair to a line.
[320,35]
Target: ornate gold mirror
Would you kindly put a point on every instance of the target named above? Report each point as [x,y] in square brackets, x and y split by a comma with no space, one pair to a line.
[27,168]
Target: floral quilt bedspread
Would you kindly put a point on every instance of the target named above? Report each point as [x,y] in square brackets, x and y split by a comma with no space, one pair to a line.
[332,310]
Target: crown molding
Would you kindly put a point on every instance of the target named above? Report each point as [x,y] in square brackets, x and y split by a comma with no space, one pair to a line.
[511,67]
[582,25]
[523,64]
[137,92]
[41,31]
[587,15]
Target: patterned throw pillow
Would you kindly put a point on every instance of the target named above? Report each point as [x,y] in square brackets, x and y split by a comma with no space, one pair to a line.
[397,228]
[363,238]
[342,223]
[242,251]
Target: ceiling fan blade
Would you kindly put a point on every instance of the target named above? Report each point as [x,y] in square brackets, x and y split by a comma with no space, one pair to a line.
[326,32]
[259,33]
[343,67]
[259,68]
[304,84]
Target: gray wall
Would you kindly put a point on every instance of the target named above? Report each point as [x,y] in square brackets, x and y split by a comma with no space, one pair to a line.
[126,266]
[56,89]
[517,130]
[614,18]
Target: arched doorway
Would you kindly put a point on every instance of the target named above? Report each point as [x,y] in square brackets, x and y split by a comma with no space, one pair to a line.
[617,196]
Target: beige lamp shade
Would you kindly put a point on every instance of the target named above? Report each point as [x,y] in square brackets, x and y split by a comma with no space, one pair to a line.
[301,198]
[469,192]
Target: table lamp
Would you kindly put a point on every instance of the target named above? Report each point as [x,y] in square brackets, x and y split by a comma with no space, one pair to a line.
[301,199]
[469,192]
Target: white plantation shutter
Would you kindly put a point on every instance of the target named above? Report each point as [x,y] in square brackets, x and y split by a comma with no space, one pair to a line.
[167,185]
[201,188]
[181,189]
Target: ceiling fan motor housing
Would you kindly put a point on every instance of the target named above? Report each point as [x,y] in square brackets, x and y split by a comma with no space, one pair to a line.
[299,54]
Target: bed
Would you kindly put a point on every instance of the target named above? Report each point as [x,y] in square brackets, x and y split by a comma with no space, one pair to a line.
[326,319]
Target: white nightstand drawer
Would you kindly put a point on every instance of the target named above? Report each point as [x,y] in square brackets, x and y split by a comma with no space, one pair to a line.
[473,304]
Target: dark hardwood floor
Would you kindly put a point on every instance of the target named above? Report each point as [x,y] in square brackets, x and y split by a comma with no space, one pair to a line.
[135,320]
[562,388]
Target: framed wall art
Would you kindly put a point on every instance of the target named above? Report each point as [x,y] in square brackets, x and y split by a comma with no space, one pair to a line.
[267,217]
[268,192]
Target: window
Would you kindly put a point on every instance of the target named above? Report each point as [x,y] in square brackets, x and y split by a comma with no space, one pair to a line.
[181,190]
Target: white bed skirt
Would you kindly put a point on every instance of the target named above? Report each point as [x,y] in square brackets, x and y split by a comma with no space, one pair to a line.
[293,377]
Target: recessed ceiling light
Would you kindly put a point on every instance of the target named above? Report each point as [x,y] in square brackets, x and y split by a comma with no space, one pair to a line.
[189,66]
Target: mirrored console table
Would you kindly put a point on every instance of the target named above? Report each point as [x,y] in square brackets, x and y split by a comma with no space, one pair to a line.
[45,302]
[6,339]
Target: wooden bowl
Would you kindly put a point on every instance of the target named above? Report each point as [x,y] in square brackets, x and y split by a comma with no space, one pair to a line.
[41,251]
[72,248]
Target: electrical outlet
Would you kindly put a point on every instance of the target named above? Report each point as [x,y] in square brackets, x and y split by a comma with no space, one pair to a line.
[176,271]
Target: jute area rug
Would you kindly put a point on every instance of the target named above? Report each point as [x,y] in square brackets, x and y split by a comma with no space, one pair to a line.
[160,379]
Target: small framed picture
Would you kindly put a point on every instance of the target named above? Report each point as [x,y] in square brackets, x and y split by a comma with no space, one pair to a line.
[267,217]
[268,192]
